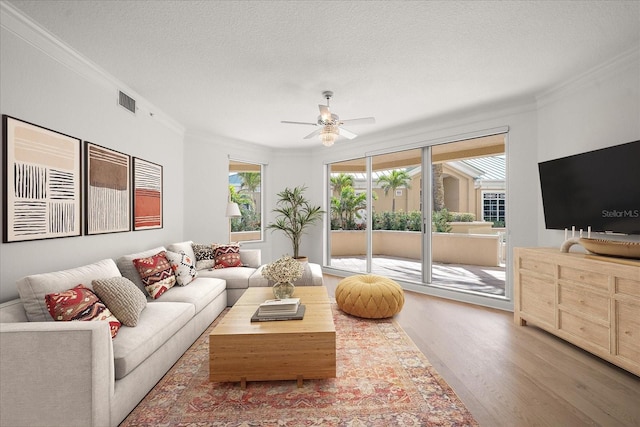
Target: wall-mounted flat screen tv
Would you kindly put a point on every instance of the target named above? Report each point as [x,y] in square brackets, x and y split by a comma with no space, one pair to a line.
[598,189]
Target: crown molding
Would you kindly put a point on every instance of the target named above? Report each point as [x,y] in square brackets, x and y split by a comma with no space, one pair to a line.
[620,62]
[15,22]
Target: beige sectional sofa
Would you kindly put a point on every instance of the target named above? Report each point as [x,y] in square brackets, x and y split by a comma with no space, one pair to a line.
[74,373]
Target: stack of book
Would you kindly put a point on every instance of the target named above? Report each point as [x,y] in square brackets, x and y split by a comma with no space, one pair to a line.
[279,309]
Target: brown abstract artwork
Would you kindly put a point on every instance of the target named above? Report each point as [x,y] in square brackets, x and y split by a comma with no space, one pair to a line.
[42,182]
[147,199]
[108,208]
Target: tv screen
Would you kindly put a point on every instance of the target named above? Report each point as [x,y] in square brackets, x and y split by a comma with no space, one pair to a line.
[598,189]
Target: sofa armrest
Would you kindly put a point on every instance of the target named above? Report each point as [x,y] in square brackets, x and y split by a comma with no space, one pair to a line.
[56,373]
[251,257]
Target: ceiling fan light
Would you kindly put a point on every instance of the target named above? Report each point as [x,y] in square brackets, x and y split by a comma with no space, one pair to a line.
[327,139]
[328,135]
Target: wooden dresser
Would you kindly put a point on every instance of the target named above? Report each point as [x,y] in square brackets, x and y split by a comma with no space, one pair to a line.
[591,301]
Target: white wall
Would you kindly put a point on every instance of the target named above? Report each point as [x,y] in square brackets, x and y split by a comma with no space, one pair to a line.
[55,90]
[291,169]
[600,108]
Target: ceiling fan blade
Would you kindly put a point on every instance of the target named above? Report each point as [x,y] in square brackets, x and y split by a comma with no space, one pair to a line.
[325,113]
[314,133]
[298,123]
[361,121]
[346,133]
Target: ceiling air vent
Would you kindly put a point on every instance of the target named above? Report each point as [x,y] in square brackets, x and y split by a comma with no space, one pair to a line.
[127,102]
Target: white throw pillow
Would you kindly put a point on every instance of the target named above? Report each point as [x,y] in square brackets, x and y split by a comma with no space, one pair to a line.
[183,267]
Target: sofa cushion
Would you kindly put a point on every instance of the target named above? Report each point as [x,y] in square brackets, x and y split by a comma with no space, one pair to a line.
[156,274]
[204,256]
[123,298]
[129,270]
[200,292]
[237,278]
[82,304]
[251,257]
[32,289]
[183,267]
[158,322]
[227,256]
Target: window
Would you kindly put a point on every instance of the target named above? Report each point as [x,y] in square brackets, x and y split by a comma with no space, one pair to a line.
[245,184]
[493,207]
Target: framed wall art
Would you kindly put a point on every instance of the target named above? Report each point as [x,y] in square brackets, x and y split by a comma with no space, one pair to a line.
[108,190]
[42,182]
[147,195]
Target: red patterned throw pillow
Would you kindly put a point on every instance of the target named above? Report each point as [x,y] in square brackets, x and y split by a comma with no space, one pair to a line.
[227,256]
[80,303]
[156,274]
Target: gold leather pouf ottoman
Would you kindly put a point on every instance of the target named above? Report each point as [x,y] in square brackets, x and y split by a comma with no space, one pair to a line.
[369,296]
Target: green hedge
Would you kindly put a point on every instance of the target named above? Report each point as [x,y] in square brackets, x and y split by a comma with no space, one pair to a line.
[410,221]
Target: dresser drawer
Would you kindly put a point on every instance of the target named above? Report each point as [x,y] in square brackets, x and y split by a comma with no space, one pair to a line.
[537,297]
[578,299]
[589,333]
[585,277]
[539,266]
[628,330]
[628,287]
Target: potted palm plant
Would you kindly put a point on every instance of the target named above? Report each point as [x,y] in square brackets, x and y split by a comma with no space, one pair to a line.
[295,214]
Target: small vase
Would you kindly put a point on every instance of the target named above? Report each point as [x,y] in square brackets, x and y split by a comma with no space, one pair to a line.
[282,290]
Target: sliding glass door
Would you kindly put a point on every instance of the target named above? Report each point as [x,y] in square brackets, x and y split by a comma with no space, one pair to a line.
[444,228]
[396,180]
[469,215]
[348,201]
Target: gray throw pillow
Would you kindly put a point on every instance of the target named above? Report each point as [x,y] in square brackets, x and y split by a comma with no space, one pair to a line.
[125,300]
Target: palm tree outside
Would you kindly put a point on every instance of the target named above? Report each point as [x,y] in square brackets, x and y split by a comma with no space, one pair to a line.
[391,181]
[438,187]
[250,182]
[340,181]
[347,208]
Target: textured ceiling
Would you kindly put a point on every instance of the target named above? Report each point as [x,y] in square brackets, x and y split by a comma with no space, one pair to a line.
[237,68]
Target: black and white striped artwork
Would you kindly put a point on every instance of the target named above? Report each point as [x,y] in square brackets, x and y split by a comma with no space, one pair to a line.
[43,182]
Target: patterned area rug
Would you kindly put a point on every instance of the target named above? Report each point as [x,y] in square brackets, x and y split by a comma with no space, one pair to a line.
[382,380]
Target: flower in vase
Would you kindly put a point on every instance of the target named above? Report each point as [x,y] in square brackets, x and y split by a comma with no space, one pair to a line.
[285,269]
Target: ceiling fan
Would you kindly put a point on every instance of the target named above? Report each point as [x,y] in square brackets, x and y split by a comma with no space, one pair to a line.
[329,125]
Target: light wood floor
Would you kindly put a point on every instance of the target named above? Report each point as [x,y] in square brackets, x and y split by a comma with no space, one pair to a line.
[514,376]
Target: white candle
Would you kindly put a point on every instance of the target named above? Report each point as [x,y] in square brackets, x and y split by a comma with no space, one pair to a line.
[580,233]
[589,232]
[573,231]
[566,235]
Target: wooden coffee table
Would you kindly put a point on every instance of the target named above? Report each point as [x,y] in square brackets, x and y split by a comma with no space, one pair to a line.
[241,350]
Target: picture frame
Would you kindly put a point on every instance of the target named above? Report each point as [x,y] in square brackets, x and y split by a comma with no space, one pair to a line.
[108,190]
[147,195]
[42,175]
